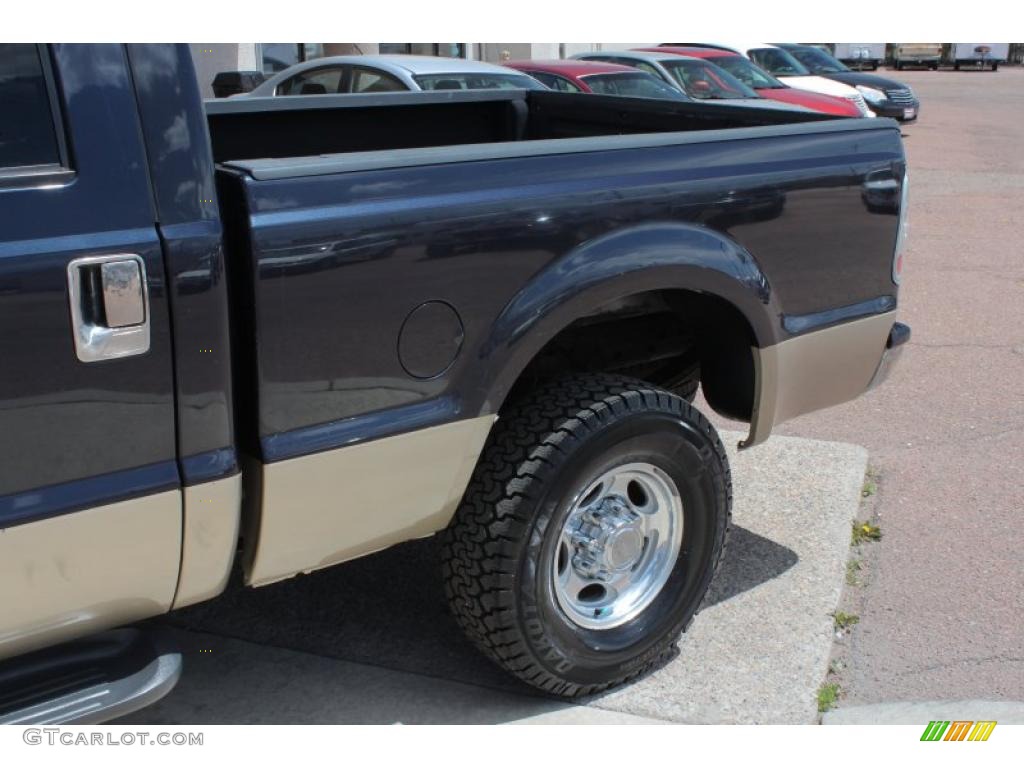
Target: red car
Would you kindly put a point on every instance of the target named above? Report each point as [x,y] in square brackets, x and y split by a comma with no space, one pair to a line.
[765,85]
[571,76]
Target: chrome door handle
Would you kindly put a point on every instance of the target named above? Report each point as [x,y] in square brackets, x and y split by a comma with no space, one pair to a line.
[109,306]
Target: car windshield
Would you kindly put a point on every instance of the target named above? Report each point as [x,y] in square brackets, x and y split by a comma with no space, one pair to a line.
[817,61]
[745,72]
[778,62]
[461,81]
[638,84]
[703,80]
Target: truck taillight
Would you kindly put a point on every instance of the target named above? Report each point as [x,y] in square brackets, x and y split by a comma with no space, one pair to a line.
[901,233]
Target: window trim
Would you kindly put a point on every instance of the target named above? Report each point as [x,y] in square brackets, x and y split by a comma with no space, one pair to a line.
[46,174]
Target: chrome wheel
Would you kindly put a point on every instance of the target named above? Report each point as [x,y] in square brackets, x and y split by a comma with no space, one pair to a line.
[618,546]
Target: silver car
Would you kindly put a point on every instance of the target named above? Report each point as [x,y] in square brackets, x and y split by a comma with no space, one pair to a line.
[397,72]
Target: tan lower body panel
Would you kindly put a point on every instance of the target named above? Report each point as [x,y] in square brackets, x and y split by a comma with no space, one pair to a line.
[334,506]
[815,371]
[210,538]
[87,571]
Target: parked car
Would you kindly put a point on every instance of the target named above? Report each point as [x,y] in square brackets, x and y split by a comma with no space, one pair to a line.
[694,77]
[887,98]
[779,63]
[766,86]
[977,55]
[483,315]
[917,54]
[386,73]
[571,76]
[859,55]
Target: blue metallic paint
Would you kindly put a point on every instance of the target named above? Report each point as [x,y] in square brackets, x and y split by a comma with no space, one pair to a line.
[520,246]
[181,168]
[527,244]
[797,324]
[75,433]
[370,426]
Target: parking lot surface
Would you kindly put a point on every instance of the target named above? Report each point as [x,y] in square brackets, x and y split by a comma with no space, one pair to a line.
[371,641]
[940,615]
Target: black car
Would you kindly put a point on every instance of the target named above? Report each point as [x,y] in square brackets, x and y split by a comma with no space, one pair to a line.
[885,97]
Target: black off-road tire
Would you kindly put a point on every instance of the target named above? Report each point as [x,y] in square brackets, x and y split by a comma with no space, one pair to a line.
[540,455]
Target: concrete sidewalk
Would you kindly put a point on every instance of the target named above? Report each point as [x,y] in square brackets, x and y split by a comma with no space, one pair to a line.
[371,641]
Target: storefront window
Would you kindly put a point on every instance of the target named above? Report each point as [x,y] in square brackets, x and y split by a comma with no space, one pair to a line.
[278,56]
[451,50]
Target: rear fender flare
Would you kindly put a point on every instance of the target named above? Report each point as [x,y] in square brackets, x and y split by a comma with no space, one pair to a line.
[617,265]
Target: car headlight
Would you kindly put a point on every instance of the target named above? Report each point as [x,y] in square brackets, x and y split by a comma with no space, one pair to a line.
[872,95]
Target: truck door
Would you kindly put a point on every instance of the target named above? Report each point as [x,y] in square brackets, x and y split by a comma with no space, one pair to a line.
[90,500]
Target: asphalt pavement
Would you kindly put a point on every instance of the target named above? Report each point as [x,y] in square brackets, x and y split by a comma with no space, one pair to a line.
[943,597]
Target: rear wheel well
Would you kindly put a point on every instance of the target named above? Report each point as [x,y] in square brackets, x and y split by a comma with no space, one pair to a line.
[670,338]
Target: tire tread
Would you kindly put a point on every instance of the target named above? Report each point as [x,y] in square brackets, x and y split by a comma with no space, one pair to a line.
[481,548]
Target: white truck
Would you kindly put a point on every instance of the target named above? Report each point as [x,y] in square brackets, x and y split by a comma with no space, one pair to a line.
[979,55]
[860,55]
[917,54]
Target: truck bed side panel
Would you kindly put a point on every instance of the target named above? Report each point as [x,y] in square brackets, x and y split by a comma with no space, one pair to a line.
[341,260]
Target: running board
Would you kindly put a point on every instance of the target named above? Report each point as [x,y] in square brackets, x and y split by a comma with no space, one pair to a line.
[89,681]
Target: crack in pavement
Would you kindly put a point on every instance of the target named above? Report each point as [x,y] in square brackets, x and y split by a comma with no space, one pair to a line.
[1013,347]
[960,663]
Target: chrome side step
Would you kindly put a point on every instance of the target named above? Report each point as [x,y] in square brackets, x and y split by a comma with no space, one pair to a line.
[89,681]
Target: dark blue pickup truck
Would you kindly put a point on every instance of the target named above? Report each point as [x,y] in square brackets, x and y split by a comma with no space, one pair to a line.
[272,335]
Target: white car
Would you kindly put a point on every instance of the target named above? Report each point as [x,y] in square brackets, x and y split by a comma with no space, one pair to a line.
[397,72]
[785,67]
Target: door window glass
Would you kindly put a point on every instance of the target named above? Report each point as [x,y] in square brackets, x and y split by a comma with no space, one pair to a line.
[312,82]
[374,81]
[555,82]
[27,134]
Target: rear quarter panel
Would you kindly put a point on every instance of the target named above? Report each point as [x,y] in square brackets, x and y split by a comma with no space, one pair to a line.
[519,247]
[341,260]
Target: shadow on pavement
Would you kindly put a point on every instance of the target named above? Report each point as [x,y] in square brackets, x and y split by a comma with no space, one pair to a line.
[750,560]
[389,610]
